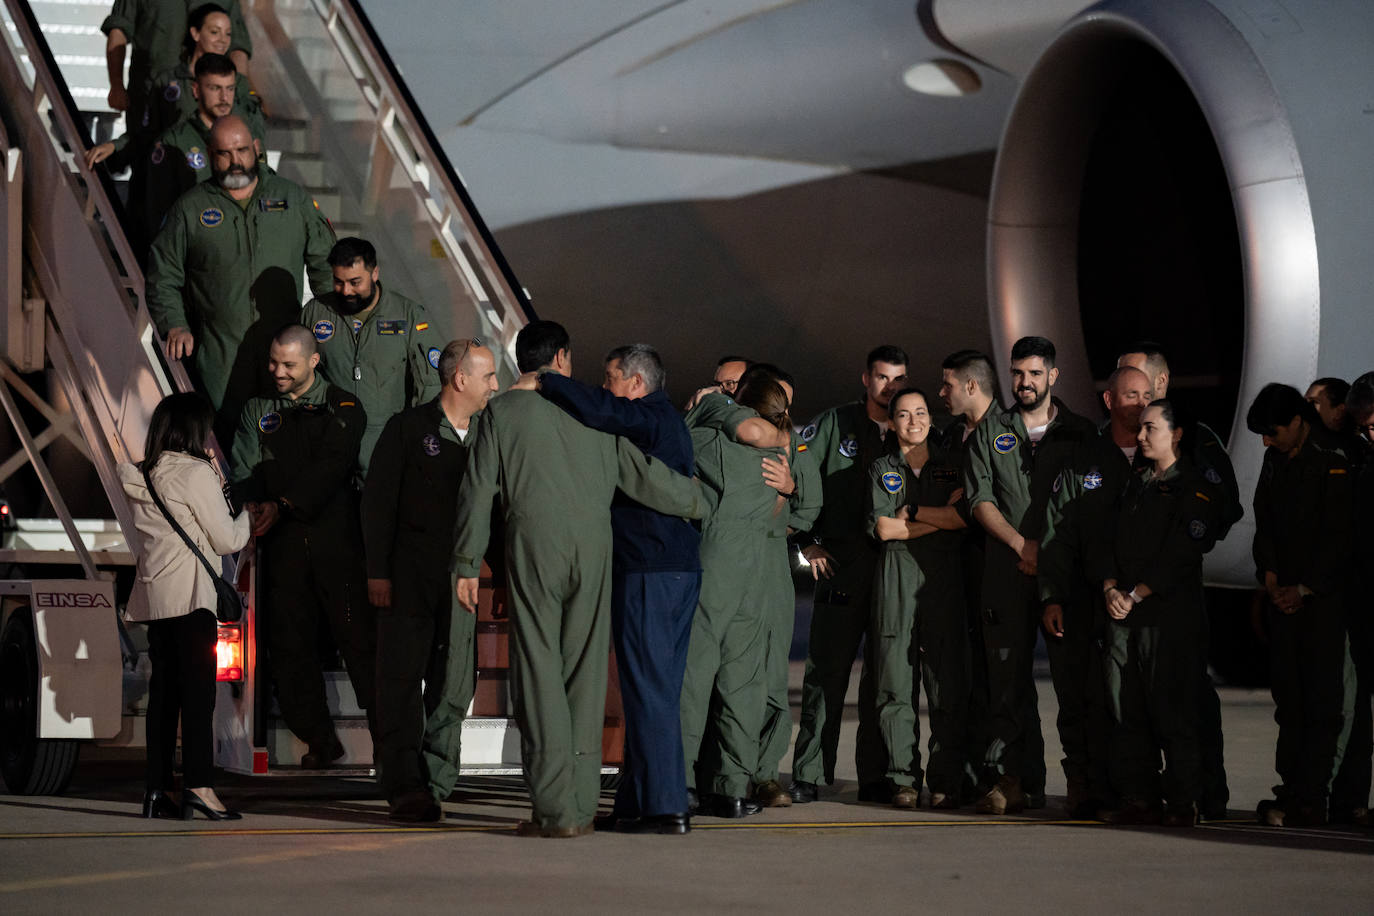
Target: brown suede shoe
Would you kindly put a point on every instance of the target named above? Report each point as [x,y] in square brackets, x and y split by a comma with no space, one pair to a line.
[906,797]
[771,794]
[1004,798]
[939,801]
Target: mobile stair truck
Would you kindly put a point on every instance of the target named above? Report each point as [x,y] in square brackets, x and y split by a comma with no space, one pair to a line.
[81,368]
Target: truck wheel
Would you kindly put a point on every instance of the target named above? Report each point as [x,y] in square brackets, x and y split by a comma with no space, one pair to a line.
[29,765]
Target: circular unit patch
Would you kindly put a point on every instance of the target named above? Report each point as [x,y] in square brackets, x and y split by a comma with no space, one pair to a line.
[809,433]
[431,444]
[211,217]
[433,356]
[324,329]
[1005,442]
[269,422]
[1212,475]
[892,481]
[195,159]
[172,92]
[849,447]
[1092,480]
[1197,529]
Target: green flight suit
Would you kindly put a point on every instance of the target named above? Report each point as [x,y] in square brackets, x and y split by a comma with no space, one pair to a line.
[230,271]
[843,442]
[920,623]
[1304,534]
[424,637]
[303,454]
[157,31]
[1082,501]
[555,478]
[170,99]
[390,356]
[800,511]
[727,656]
[180,160]
[1002,467]
[1157,654]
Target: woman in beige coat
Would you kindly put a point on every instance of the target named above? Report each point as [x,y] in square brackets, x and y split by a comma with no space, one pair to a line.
[175,596]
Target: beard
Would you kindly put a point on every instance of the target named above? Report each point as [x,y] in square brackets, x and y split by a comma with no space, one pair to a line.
[1037,398]
[352,304]
[236,177]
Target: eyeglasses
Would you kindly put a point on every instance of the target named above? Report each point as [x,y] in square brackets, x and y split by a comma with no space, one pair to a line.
[729,385]
[468,345]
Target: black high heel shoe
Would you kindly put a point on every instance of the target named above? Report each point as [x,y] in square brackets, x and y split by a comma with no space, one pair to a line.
[190,804]
[157,804]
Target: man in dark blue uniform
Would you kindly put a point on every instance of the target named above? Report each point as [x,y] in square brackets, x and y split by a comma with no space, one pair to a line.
[656,576]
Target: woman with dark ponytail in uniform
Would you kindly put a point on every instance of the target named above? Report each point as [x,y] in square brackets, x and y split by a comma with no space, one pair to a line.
[1151,572]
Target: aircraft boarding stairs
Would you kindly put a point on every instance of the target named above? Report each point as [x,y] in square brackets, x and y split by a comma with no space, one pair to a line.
[78,350]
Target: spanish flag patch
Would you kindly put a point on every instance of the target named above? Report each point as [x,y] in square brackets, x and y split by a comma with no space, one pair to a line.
[422,325]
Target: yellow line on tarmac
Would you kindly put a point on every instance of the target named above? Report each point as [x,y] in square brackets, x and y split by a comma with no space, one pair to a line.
[501,828]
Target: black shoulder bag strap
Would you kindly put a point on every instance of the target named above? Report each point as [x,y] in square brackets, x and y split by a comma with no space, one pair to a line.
[157,500]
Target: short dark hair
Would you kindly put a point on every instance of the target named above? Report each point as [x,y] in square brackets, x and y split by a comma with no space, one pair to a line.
[973,364]
[910,389]
[1276,405]
[180,423]
[1027,347]
[1335,389]
[766,370]
[351,248]
[215,65]
[1359,400]
[734,359]
[297,334]
[887,353]
[640,359]
[538,343]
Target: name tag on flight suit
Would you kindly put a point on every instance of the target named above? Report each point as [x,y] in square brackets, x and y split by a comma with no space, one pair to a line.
[395,326]
[268,205]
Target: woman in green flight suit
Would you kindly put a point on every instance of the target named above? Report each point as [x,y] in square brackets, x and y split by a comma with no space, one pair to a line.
[918,610]
[1150,564]
[727,655]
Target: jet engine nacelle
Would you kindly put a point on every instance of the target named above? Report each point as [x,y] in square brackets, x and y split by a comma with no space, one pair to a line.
[1137,128]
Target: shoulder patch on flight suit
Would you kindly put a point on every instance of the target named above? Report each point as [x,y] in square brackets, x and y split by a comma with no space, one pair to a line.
[1092,480]
[348,404]
[801,447]
[195,158]
[422,326]
[159,151]
[433,354]
[1212,475]
[1203,496]
[1058,484]
[324,329]
[1005,442]
[1336,471]
[273,205]
[809,433]
[172,92]
[391,326]
[431,444]
[892,481]
[1197,529]
[269,422]
[211,217]
[849,446]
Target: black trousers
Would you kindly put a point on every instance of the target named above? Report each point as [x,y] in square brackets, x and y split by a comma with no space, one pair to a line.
[182,686]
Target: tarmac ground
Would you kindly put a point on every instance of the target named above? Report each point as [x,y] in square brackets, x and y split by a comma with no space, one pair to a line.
[324,845]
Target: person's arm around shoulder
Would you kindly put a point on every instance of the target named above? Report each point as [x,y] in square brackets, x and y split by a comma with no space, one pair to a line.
[596,408]
[739,424]
[654,484]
